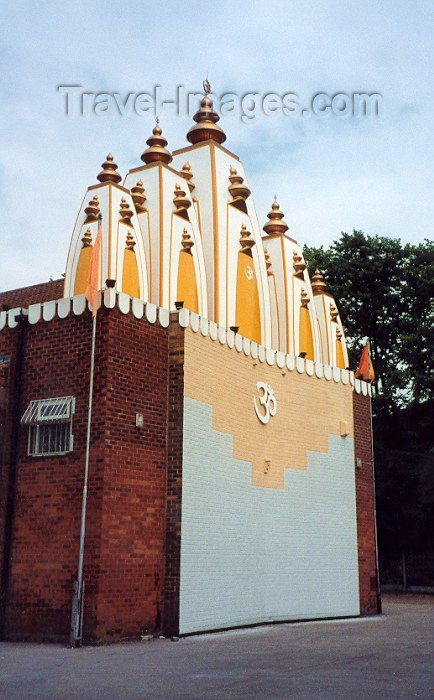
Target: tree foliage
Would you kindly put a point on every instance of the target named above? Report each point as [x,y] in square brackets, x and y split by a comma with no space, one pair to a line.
[384,291]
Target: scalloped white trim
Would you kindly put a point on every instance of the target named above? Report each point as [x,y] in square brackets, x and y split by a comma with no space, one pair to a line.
[35,311]
[76,305]
[299,365]
[319,370]
[184,318]
[336,374]
[194,321]
[280,359]
[290,362]
[151,312]
[12,313]
[163,317]
[204,327]
[271,356]
[137,307]
[49,310]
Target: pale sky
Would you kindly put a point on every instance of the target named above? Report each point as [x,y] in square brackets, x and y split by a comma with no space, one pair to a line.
[330,174]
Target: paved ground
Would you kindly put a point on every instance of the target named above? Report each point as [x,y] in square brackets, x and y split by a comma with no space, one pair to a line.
[388,657]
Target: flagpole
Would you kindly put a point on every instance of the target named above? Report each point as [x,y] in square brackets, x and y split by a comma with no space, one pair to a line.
[377,567]
[78,596]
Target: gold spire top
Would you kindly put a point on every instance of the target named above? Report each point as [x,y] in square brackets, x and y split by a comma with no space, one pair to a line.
[129,241]
[125,211]
[109,171]
[304,298]
[188,175]
[318,284]
[92,210]
[206,127]
[246,240]
[180,199]
[334,313]
[186,241]
[87,238]
[139,198]
[237,188]
[268,262]
[157,151]
[275,223]
[299,265]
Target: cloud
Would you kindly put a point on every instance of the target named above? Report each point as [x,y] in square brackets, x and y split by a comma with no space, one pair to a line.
[330,174]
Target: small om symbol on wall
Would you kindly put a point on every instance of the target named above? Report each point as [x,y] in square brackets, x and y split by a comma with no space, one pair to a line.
[267,402]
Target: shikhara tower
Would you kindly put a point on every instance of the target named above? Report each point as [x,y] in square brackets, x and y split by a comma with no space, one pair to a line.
[183,227]
[230,465]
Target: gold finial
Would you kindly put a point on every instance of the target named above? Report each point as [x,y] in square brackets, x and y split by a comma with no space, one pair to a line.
[206,128]
[268,262]
[181,201]
[334,313]
[186,241]
[206,87]
[157,151]
[92,210]
[318,284]
[246,240]
[299,264]
[238,190]
[138,196]
[87,238]
[109,171]
[125,211]
[188,175]
[338,334]
[275,223]
[304,298]
[129,241]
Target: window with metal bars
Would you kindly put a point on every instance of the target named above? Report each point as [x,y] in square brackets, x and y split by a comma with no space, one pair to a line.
[50,425]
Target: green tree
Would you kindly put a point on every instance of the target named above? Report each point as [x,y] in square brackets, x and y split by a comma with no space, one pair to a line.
[384,291]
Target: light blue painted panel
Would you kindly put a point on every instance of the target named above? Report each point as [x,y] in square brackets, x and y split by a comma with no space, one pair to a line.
[251,554]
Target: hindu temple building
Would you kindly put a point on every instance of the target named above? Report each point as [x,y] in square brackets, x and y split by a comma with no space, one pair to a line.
[230,467]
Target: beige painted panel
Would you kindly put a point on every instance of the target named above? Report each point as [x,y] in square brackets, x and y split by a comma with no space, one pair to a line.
[308,409]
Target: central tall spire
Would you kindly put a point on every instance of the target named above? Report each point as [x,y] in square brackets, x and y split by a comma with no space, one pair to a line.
[206,118]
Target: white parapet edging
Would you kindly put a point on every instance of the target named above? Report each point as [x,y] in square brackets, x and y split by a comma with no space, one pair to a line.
[110,299]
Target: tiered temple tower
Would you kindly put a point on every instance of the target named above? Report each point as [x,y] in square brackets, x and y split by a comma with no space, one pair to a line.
[183,227]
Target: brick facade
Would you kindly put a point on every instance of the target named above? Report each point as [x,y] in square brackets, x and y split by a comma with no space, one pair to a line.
[365,505]
[123,567]
[35,294]
[133,529]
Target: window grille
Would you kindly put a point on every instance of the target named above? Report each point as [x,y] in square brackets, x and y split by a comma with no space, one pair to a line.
[50,425]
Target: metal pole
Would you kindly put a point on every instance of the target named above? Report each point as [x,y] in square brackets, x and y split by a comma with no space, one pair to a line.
[377,568]
[77,604]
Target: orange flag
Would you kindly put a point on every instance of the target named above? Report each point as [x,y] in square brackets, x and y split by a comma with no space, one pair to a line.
[365,369]
[91,292]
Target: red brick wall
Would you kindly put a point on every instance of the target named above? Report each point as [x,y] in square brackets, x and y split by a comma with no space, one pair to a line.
[365,504]
[124,563]
[132,478]
[32,295]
